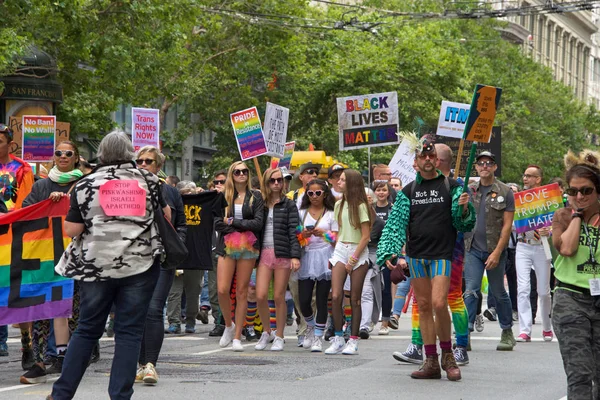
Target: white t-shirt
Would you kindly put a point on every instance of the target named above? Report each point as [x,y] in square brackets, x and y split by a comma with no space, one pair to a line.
[268,235]
[326,223]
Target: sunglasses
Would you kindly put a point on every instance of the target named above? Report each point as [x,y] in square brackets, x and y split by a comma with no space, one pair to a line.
[219,182]
[147,161]
[311,172]
[238,172]
[6,130]
[60,153]
[424,156]
[527,176]
[316,193]
[486,163]
[586,191]
[273,181]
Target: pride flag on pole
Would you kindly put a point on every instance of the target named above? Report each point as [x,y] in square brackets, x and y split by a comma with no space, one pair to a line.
[534,208]
[31,243]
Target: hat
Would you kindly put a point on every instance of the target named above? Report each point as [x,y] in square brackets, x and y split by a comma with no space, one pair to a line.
[333,168]
[309,165]
[487,154]
[427,145]
[286,174]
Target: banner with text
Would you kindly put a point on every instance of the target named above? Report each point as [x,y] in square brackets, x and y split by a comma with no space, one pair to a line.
[38,138]
[482,113]
[248,133]
[534,208]
[402,164]
[145,127]
[453,117]
[276,125]
[31,244]
[368,120]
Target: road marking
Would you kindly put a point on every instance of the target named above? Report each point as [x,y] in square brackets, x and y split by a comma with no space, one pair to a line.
[107,339]
[17,387]
[203,353]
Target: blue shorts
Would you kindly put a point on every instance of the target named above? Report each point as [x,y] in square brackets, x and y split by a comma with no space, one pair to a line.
[422,268]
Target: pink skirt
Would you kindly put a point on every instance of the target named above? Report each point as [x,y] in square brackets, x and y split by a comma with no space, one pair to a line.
[240,245]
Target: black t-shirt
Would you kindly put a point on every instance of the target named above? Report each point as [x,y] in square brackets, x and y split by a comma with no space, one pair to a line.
[200,210]
[383,212]
[431,234]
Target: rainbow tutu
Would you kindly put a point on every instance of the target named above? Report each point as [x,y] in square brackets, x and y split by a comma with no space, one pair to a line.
[240,245]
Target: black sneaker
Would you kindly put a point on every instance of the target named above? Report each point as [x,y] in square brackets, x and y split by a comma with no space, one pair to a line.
[490,314]
[217,331]
[250,334]
[363,333]
[36,374]
[461,356]
[27,360]
[49,360]
[56,367]
[202,315]
[413,354]
[329,333]
[393,323]
[95,354]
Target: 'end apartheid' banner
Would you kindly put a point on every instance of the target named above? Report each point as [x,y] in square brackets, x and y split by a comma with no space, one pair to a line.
[368,120]
[534,208]
[31,244]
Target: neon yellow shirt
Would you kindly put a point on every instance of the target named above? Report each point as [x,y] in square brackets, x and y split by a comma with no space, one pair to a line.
[347,232]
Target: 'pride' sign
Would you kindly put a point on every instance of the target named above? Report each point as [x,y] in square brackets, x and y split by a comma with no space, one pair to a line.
[534,208]
[248,133]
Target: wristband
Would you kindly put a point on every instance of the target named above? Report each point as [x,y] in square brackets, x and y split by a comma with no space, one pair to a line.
[577,215]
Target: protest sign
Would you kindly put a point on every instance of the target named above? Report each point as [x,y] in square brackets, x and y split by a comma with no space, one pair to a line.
[534,208]
[287,157]
[145,127]
[63,131]
[482,113]
[453,117]
[31,244]
[122,198]
[402,164]
[494,146]
[38,137]
[368,120]
[248,133]
[276,124]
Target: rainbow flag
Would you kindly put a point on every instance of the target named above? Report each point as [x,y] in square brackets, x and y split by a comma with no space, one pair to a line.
[31,244]
[534,208]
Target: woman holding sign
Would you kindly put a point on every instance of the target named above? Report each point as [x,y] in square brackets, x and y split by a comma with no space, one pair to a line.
[238,248]
[576,310]
[60,181]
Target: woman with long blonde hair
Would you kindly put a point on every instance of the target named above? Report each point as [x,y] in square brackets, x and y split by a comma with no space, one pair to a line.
[238,248]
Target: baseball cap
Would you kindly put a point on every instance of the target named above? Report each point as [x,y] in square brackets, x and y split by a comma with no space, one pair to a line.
[333,168]
[309,165]
[487,154]
[286,174]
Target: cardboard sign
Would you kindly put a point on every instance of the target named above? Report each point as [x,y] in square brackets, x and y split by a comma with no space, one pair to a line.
[248,133]
[494,146]
[276,125]
[38,137]
[482,113]
[63,131]
[534,208]
[368,120]
[402,164]
[453,117]
[123,198]
[145,127]
[287,157]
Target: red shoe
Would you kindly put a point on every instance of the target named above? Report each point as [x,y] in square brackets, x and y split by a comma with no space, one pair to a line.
[523,337]
[548,336]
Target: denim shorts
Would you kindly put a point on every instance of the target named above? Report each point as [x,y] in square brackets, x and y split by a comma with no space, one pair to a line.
[423,268]
[343,251]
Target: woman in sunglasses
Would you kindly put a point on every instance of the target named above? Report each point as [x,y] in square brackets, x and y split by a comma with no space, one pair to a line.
[238,248]
[576,309]
[280,254]
[61,179]
[318,236]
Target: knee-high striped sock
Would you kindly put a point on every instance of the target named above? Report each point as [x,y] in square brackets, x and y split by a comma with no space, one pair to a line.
[348,313]
[258,326]
[273,320]
[232,297]
[417,338]
[319,329]
[251,313]
[329,307]
[25,338]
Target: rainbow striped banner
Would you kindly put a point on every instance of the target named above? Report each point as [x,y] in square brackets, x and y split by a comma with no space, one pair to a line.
[248,133]
[31,244]
[534,208]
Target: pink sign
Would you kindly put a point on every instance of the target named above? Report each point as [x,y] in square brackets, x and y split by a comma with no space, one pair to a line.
[145,127]
[123,198]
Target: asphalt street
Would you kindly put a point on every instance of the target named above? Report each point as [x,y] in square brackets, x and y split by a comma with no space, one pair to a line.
[193,366]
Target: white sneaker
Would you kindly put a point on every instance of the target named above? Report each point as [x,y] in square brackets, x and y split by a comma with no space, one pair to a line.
[337,345]
[277,344]
[263,341]
[309,337]
[236,345]
[317,344]
[227,337]
[139,375]
[479,323]
[351,347]
[384,331]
